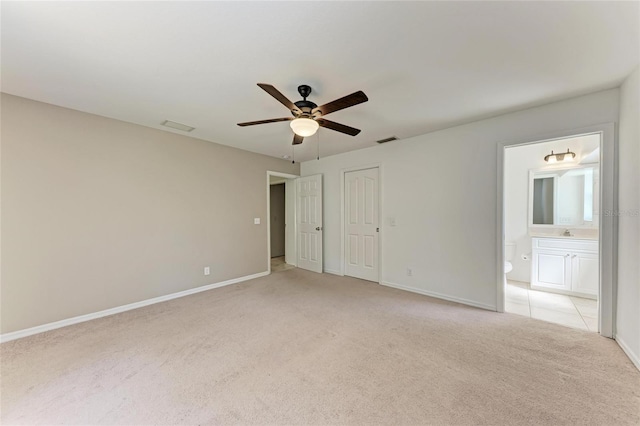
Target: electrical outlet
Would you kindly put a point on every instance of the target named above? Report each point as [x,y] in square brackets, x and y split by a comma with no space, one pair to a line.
[207,270]
[409,272]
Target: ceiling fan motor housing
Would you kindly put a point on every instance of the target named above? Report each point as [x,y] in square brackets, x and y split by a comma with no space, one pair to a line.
[304,105]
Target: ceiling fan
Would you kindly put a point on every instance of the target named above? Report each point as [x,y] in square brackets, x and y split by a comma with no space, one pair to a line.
[307,116]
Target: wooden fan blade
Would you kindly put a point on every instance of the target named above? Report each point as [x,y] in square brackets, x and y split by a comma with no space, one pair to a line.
[337,127]
[297,139]
[272,120]
[342,103]
[279,97]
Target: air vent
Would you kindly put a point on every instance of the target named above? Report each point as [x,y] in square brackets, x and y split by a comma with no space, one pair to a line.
[392,138]
[177,126]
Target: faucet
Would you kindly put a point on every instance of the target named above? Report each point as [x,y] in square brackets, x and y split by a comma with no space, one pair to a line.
[567,233]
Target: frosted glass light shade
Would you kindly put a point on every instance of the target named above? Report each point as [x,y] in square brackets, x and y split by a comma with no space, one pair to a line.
[304,126]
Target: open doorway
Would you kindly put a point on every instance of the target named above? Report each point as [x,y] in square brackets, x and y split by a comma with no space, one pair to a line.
[278,224]
[607,222]
[281,221]
[552,231]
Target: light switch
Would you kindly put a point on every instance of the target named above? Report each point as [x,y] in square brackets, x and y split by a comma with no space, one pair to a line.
[256,221]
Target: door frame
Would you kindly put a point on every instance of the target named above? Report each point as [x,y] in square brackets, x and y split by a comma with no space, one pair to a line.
[608,226]
[343,227]
[286,204]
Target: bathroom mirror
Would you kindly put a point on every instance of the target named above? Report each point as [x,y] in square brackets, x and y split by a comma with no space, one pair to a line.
[564,197]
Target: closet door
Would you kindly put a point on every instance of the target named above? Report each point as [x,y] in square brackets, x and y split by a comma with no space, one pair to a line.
[361,224]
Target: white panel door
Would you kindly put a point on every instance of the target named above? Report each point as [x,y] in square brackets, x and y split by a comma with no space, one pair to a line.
[309,221]
[361,224]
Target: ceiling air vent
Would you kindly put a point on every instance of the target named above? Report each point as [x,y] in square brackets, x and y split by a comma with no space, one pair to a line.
[177,126]
[392,138]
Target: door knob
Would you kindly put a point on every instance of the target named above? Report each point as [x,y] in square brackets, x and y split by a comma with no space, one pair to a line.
[318,228]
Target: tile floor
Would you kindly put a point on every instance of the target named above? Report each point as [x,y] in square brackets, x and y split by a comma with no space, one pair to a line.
[278,264]
[576,312]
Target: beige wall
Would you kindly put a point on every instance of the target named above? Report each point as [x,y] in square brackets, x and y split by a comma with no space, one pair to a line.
[97,213]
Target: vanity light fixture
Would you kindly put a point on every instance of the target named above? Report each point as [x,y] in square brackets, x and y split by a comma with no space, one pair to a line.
[564,157]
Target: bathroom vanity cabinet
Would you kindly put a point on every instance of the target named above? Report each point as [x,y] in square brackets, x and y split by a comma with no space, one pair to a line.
[565,265]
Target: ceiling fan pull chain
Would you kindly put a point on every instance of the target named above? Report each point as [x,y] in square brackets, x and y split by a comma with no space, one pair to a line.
[293,154]
[318,143]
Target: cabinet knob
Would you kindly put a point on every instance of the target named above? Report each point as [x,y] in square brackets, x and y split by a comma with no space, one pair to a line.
[567,255]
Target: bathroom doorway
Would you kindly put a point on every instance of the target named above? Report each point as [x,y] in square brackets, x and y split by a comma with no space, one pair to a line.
[552,230]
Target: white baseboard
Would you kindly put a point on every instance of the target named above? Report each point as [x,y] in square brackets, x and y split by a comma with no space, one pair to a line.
[332,271]
[88,317]
[635,359]
[440,296]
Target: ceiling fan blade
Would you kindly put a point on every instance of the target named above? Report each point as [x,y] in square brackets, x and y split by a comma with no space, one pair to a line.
[273,120]
[297,139]
[342,103]
[338,127]
[279,97]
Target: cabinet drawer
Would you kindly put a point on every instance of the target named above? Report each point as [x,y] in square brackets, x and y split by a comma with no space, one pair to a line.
[565,244]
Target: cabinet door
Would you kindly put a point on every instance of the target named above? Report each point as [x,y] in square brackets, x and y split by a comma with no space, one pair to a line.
[551,268]
[585,273]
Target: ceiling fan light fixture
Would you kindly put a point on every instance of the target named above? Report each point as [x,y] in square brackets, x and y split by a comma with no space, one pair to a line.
[304,127]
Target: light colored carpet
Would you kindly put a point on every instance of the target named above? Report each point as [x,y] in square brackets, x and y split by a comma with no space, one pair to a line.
[278,264]
[302,348]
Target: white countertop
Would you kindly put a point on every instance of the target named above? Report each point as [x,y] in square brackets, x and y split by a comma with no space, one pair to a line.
[563,237]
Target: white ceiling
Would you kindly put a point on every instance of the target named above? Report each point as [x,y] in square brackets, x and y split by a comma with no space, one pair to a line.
[424,65]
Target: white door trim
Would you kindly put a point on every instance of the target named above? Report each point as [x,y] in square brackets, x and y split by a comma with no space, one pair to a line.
[380,216]
[608,238]
[268,221]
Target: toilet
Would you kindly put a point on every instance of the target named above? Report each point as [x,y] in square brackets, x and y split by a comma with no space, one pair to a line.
[509,252]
